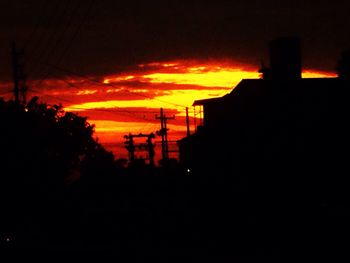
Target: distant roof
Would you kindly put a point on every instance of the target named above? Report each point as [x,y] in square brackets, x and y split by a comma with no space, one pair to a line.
[249,87]
[204,101]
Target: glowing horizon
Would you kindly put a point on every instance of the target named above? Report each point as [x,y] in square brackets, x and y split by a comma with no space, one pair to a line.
[127,102]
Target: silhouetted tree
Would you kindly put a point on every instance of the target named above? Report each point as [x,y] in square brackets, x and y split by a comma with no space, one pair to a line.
[42,150]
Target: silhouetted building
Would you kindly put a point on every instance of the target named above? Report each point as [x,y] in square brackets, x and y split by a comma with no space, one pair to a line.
[285,58]
[278,125]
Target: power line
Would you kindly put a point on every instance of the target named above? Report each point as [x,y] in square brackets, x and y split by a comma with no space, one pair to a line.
[43,6]
[105,102]
[108,84]
[71,40]
[67,26]
[148,127]
[120,111]
[43,39]
[78,29]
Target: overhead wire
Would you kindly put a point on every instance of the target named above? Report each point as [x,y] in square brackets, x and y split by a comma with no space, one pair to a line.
[43,41]
[107,103]
[120,110]
[73,37]
[30,37]
[41,61]
[104,102]
[62,99]
[109,84]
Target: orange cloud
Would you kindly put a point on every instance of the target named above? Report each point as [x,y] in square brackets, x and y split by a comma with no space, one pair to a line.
[224,78]
[128,102]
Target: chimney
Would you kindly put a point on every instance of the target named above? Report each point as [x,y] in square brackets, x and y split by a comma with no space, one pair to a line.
[285,58]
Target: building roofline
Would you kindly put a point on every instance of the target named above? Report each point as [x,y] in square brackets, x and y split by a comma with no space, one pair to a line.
[243,81]
[205,101]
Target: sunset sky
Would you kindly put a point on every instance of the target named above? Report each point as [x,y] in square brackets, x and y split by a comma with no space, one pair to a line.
[128,102]
[118,63]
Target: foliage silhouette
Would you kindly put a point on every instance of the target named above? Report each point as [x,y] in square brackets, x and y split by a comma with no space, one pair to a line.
[43,151]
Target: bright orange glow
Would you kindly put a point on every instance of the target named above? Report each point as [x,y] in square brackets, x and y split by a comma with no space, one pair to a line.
[86,92]
[172,85]
[316,74]
[121,78]
[116,126]
[176,99]
[220,78]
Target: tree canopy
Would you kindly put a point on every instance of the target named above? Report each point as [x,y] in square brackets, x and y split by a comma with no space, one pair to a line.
[43,150]
[47,142]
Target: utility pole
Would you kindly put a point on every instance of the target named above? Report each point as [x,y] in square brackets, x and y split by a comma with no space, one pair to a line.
[195,118]
[161,132]
[150,147]
[19,77]
[15,72]
[187,123]
[164,133]
[131,146]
